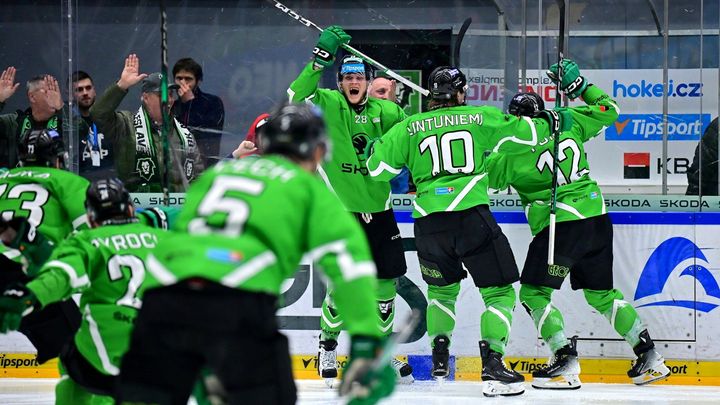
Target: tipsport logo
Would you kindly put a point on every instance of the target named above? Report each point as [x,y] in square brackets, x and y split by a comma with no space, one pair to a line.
[650,127]
[668,259]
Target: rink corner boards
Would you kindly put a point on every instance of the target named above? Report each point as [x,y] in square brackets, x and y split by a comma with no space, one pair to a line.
[594,370]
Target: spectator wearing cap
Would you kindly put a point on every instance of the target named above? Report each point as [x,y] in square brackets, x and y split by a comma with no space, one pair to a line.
[137,135]
[202,112]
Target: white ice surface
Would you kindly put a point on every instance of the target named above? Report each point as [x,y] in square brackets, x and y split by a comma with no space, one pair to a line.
[37,391]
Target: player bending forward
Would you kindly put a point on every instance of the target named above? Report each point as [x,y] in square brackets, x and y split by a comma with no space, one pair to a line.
[455,233]
[211,289]
[583,237]
[106,265]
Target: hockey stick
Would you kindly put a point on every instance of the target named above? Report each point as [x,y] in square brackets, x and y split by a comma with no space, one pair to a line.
[556,136]
[382,68]
[354,390]
[455,60]
[164,104]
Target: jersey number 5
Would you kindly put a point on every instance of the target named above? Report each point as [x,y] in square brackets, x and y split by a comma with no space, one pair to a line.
[217,203]
[441,153]
[546,160]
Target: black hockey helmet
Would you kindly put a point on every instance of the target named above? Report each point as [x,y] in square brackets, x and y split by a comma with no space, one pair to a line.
[41,147]
[353,64]
[446,81]
[107,200]
[526,104]
[293,129]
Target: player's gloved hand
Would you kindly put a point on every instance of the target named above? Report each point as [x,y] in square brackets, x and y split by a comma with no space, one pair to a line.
[16,301]
[20,234]
[330,40]
[560,119]
[573,84]
[362,382]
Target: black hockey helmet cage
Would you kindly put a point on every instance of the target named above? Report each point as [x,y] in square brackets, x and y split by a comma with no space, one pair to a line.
[446,81]
[293,130]
[41,147]
[526,104]
[353,64]
[107,201]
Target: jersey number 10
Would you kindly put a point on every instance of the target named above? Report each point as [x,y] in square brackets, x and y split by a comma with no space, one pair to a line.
[441,153]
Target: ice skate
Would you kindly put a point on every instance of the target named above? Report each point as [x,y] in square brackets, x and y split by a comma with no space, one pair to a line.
[497,379]
[562,371]
[441,357]
[650,365]
[327,362]
[403,371]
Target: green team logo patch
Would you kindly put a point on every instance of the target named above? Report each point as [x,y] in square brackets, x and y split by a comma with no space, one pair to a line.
[145,168]
[408,98]
[558,271]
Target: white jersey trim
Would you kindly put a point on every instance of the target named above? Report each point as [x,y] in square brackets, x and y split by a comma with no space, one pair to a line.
[160,272]
[99,344]
[75,281]
[349,269]
[465,191]
[249,269]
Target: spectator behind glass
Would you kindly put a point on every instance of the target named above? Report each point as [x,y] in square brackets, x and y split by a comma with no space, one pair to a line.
[137,137]
[96,160]
[45,112]
[705,160]
[202,113]
[384,88]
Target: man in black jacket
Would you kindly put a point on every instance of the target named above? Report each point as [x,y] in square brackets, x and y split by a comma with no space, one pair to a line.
[202,113]
[705,161]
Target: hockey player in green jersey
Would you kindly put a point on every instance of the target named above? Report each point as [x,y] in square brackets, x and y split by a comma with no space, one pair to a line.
[43,202]
[583,238]
[353,120]
[455,233]
[245,241]
[106,265]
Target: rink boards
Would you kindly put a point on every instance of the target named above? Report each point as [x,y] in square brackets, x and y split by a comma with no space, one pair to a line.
[16,365]
[666,264]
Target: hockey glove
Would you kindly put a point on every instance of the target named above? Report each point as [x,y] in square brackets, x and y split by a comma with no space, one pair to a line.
[560,119]
[16,301]
[330,40]
[573,84]
[364,382]
[20,234]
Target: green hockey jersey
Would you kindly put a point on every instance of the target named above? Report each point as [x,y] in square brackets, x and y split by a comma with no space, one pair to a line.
[250,221]
[349,132]
[107,266]
[445,151]
[51,199]
[529,170]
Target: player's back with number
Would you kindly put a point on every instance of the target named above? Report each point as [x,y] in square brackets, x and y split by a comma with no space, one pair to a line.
[268,199]
[106,264]
[445,151]
[50,198]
